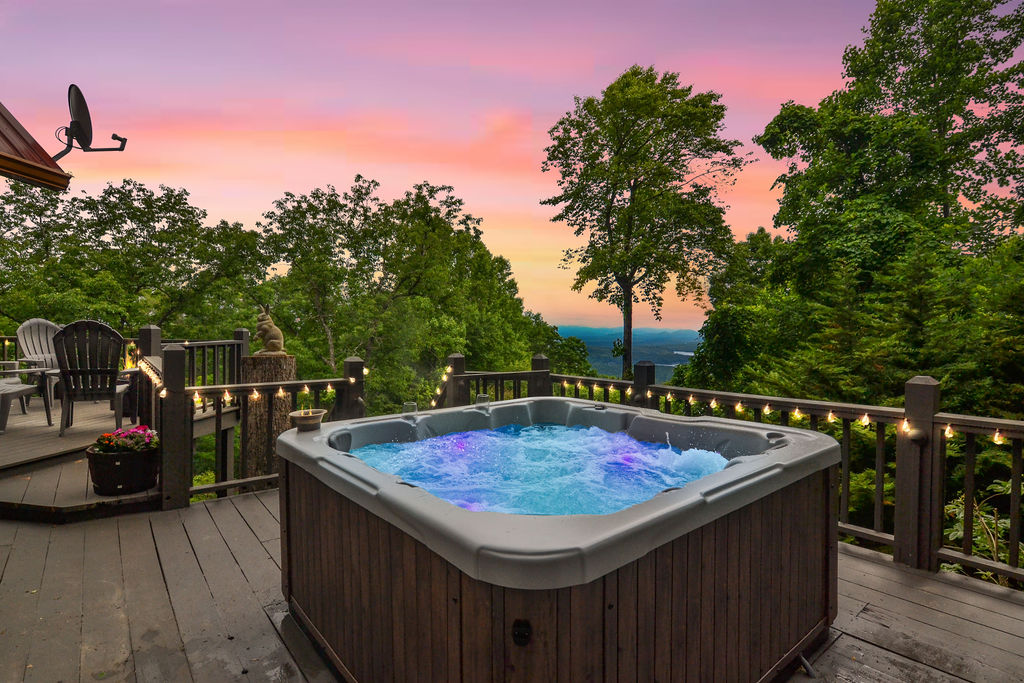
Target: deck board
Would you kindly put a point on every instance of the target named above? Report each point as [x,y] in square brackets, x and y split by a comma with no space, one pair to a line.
[106,652]
[55,651]
[157,651]
[195,594]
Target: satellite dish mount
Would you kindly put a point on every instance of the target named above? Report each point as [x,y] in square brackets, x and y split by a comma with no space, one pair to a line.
[80,130]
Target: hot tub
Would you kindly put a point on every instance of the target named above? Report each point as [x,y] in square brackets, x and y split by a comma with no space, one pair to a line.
[728,577]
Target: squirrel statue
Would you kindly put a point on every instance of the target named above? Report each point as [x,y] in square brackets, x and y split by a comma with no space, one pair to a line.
[269,333]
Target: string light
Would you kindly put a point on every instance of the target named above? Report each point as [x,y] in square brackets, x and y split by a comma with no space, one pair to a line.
[831,417]
[595,386]
[444,377]
[438,391]
[690,399]
[565,383]
[351,380]
[448,369]
[329,387]
[579,385]
[227,398]
[905,426]
[767,408]
[797,415]
[280,392]
[649,394]
[197,399]
[366,371]
[714,403]
[948,432]
[668,397]
[305,388]
[163,393]
[255,394]
[433,403]
[629,391]
[998,438]
[739,407]
[865,420]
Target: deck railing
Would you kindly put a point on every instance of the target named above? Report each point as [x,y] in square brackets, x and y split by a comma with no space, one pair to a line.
[911,440]
[193,389]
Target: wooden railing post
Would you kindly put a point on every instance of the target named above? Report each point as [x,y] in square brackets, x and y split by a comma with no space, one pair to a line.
[457,391]
[352,401]
[176,431]
[643,377]
[150,348]
[242,349]
[539,384]
[149,341]
[919,505]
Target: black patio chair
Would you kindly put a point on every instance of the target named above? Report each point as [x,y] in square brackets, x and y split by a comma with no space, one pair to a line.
[89,356]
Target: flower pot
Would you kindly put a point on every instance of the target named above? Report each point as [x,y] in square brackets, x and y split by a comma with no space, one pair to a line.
[307,420]
[116,474]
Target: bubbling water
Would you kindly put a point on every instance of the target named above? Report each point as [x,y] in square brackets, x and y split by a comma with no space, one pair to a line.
[542,469]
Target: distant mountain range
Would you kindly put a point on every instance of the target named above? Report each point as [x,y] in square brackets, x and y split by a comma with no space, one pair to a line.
[666,348]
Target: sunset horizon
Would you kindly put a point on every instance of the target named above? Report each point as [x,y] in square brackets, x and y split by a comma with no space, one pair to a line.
[239,106]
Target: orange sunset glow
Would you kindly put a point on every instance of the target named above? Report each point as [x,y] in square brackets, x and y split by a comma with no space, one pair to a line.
[239,103]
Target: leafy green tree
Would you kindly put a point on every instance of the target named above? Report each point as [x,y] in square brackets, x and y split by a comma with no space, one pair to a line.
[129,256]
[401,284]
[638,169]
[954,65]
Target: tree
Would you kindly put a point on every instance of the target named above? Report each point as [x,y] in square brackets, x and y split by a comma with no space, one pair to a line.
[639,168]
[925,140]
[128,256]
[401,284]
[955,66]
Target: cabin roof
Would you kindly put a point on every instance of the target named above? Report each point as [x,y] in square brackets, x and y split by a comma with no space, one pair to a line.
[22,158]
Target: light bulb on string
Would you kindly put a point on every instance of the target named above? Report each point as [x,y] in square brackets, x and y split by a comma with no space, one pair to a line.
[831,417]
[948,432]
[865,420]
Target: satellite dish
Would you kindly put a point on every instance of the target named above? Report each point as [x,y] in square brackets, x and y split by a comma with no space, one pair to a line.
[80,129]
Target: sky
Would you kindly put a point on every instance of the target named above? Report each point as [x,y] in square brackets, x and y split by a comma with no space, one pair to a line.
[240,102]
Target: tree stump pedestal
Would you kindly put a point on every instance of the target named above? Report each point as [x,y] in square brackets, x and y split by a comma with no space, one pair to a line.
[258,451]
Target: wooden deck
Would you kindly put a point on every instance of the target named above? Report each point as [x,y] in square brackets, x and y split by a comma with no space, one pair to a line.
[59,490]
[28,438]
[194,594]
[183,595]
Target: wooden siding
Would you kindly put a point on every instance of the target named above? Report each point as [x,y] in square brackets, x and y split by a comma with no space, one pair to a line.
[384,605]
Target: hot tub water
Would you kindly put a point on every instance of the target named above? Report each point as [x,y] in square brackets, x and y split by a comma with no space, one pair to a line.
[543,469]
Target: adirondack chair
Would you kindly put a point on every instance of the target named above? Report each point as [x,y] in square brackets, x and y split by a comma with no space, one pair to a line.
[89,354]
[35,347]
[11,387]
[14,388]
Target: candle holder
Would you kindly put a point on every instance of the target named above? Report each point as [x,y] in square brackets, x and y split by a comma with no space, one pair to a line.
[307,420]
